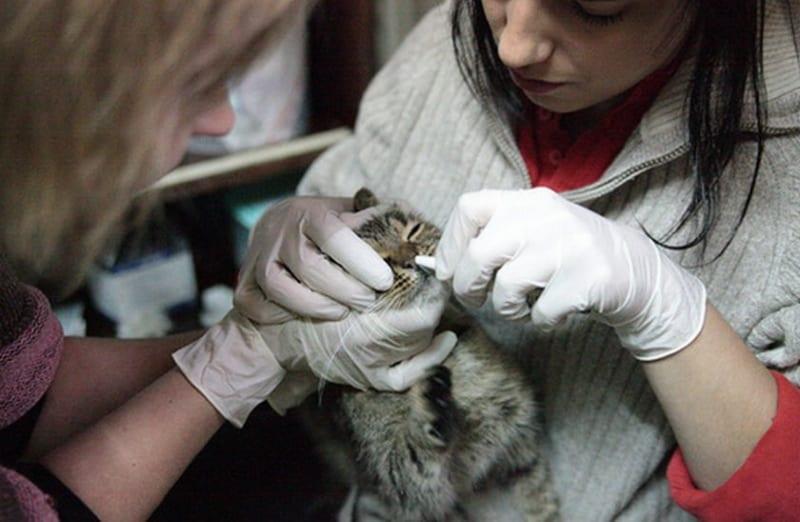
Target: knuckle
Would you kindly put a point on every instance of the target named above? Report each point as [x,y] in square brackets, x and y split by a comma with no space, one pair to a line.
[543,195]
[241,303]
[505,300]
[309,267]
[604,274]
[505,282]
[464,204]
[476,252]
[282,207]
[583,244]
[273,280]
[467,202]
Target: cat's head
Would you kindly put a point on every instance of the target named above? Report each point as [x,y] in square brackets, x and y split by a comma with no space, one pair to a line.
[398,235]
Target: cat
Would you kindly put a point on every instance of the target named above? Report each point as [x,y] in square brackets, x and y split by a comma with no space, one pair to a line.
[461,444]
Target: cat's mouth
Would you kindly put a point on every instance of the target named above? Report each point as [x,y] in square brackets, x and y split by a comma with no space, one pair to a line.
[412,286]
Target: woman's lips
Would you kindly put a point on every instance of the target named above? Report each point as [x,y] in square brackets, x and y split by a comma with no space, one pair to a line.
[534,86]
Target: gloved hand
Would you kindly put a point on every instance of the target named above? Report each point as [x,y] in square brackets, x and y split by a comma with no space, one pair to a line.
[286,270]
[237,365]
[385,350]
[232,367]
[297,385]
[530,239]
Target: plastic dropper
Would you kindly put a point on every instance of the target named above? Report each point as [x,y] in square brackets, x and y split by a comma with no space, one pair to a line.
[426,262]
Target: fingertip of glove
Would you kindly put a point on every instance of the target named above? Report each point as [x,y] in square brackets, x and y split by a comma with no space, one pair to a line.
[384,281]
[443,274]
[334,314]
[470,300]
[443,270]
[447,340]
[364,303]
[519,313]
[541,321]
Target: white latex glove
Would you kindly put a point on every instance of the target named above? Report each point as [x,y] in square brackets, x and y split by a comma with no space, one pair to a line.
[237,365]
[385,350]
[232,367]
[288,268]
[535,239]
[297,385]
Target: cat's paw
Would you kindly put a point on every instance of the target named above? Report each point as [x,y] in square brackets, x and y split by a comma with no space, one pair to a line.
[439,408]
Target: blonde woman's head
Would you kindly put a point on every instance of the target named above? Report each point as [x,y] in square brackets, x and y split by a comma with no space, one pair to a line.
[97,100]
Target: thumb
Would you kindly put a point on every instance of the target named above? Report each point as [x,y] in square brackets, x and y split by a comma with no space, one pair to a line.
[471,214]
[556,303]
[401,376]
[251,302]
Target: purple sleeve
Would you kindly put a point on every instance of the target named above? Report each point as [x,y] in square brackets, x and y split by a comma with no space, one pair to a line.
[21,500]
[31,492]
[28,362]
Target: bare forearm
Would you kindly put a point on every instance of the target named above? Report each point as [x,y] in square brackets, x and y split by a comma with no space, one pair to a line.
[122,466]
[718,398]
[95,376]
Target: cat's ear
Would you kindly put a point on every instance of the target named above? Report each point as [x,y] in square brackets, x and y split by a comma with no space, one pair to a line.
[364,199]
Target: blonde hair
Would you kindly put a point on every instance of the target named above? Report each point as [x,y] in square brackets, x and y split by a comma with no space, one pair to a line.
[84,89]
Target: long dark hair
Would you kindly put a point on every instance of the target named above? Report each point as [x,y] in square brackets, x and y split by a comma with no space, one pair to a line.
[728,36]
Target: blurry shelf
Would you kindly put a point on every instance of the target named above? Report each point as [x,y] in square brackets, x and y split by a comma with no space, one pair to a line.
[245,167]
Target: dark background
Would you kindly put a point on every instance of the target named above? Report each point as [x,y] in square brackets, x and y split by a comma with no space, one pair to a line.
[266,471]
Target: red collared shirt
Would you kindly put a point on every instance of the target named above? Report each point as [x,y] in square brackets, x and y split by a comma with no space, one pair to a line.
[556,160]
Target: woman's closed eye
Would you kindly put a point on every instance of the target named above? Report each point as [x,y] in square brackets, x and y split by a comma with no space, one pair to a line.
[598,12]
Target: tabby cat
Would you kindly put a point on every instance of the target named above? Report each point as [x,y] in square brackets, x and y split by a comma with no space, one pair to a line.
[463,443]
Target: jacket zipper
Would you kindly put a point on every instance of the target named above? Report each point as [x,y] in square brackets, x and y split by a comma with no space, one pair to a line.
[606,187]
[582,195]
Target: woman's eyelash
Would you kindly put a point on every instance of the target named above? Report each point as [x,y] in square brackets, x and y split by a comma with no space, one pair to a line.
[586,16]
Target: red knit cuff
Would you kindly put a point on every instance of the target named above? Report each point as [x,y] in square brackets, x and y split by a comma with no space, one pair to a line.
[766,485]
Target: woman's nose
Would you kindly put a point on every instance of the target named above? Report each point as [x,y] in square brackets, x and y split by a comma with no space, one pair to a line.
[524,41]
[216,121]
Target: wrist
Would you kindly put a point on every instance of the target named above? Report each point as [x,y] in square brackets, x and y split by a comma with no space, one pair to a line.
[672,317]
[292,391]
[232,367]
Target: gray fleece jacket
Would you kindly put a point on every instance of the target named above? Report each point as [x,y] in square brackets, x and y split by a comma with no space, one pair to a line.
[422,137]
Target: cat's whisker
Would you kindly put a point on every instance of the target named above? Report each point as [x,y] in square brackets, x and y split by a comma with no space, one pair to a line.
[375,328]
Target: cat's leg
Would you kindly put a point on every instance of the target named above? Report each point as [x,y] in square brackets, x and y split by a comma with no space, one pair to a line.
[367,506]
[434,415]
[364,506]
[404,444]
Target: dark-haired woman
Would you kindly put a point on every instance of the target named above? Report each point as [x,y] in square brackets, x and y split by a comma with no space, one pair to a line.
[102,428]
[642,159]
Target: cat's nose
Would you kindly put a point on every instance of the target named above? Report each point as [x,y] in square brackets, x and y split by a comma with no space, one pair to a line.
[403,256]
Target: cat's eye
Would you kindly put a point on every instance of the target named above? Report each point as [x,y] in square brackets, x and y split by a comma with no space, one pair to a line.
[415,230]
